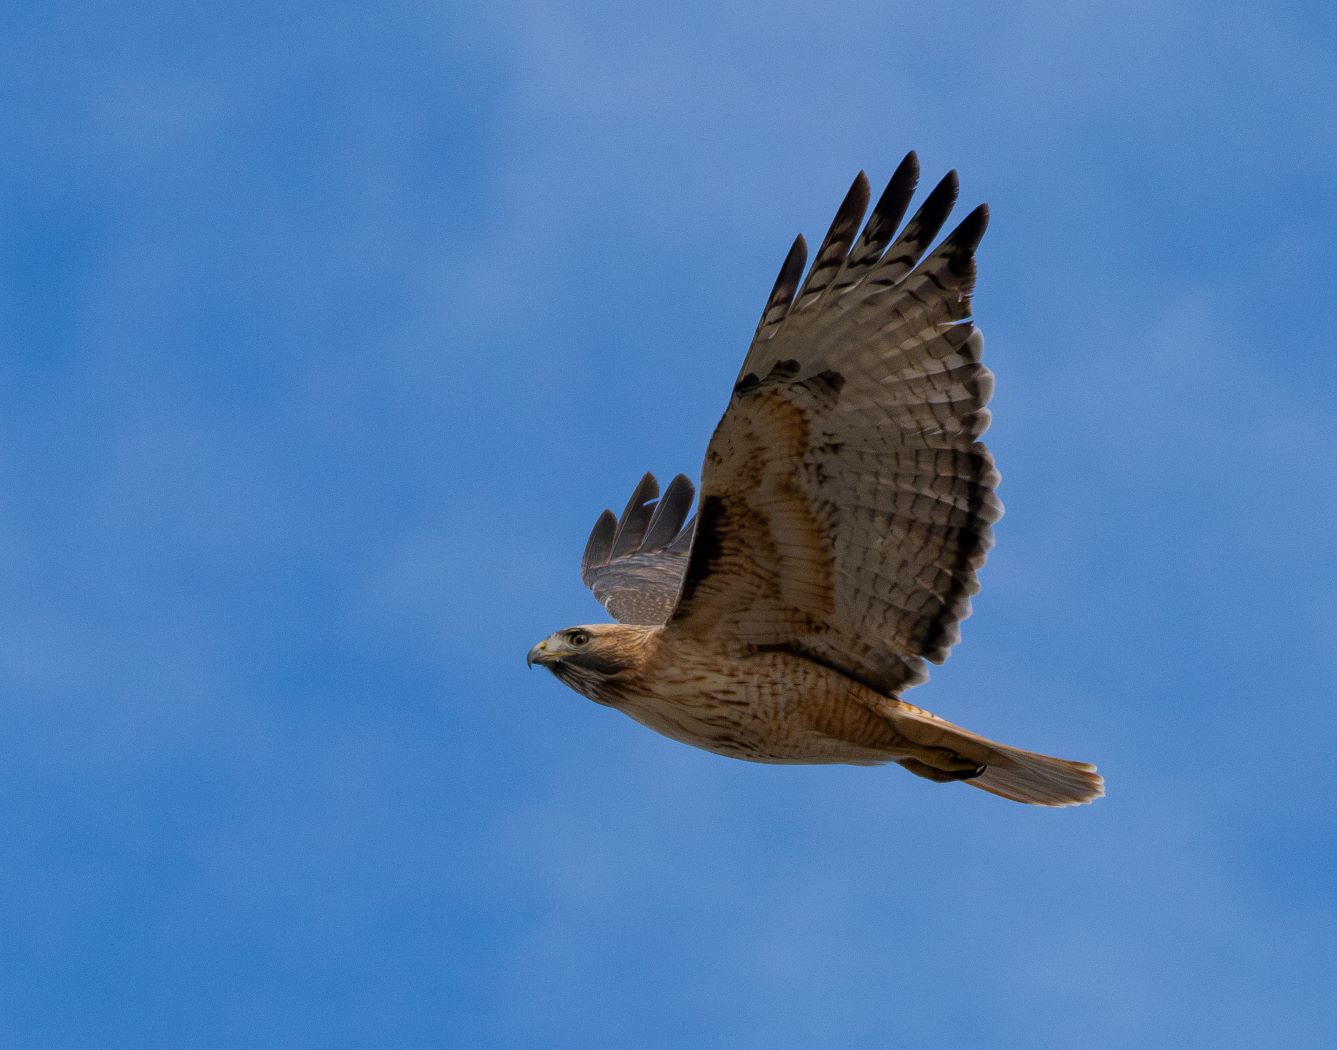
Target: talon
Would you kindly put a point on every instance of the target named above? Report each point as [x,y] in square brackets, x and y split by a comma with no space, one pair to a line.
[949,765]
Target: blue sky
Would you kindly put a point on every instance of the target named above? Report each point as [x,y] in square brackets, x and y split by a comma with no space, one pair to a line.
[325,332]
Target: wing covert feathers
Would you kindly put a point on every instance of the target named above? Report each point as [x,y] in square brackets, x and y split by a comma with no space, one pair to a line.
[846,501]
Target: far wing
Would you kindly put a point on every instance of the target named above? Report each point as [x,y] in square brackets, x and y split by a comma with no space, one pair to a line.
[846,502]
[634,564]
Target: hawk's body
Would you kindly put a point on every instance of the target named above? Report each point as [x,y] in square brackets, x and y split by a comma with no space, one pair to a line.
[846,506]
[767,707]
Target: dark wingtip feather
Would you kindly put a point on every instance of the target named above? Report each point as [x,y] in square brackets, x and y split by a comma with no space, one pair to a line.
[921,230]
[967,236]
[599,546]
[958,248]
[786,283]
[849,215]
[835,247]
[631,526]
[900,189]
[646,489]
[670,513]
[939,203]
[887,213]
[857,197]
[903,180]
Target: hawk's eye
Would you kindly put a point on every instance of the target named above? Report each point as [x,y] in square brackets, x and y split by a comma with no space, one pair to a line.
[578,638]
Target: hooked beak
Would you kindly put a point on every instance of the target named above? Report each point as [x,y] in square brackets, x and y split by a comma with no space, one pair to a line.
[540,655]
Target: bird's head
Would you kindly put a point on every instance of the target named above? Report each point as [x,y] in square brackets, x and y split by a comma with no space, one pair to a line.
[590,657]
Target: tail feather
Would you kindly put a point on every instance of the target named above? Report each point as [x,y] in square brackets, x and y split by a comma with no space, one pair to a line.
[1009,772]
[1039,780]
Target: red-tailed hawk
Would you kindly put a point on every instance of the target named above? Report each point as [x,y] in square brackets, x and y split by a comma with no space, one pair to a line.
[846,507]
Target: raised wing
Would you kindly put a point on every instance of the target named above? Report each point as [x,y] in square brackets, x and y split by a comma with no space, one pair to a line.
[634,564]
[846,502]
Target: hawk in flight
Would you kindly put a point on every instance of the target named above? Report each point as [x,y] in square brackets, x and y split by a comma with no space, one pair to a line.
[846,507]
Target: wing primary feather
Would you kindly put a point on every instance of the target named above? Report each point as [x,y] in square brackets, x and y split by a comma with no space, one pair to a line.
[785,285]
[835,247]
[598,547]
[958,248]
[670,513]
[919,232]
[887,214]
[636,516]
[967,236]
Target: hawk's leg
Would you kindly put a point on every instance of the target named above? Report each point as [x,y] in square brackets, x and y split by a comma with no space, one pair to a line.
[943,765]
